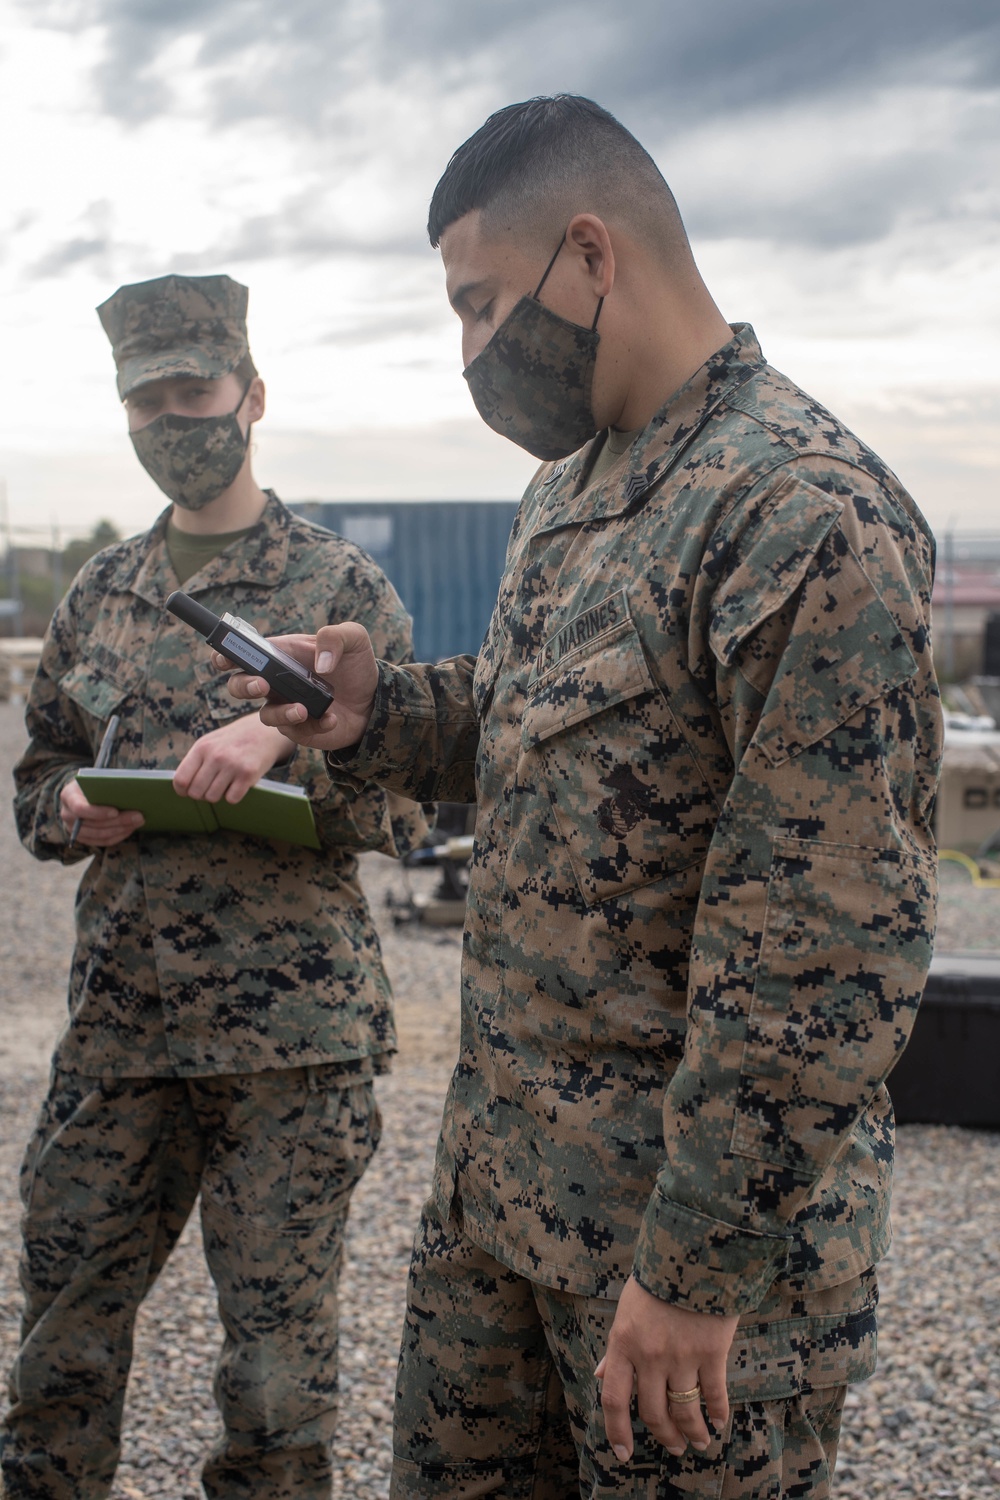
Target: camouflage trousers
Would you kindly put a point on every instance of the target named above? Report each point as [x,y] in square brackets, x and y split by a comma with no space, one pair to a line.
[108,1182]
[497,1396]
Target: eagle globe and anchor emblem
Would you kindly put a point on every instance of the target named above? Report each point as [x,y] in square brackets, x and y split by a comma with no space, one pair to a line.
[627,805]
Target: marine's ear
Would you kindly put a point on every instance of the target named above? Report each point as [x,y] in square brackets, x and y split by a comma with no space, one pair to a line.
[588,240]
[256,399]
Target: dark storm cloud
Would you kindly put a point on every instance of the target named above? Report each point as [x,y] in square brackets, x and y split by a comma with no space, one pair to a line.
[666,67]
[659,60]
[656,58]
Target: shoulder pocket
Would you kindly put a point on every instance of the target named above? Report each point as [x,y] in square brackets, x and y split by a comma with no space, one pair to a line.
[630,801]
[776,554]
[844,650]
[806,625]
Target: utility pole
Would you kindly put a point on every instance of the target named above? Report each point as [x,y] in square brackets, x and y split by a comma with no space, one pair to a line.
[949,603]
[13,601]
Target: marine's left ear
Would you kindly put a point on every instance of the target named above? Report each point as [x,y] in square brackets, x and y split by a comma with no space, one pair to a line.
[588,239]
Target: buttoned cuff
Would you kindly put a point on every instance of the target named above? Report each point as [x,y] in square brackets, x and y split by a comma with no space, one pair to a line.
[357,764]
[705,1264]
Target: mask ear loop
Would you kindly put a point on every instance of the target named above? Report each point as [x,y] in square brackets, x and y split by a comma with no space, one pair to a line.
[246,388]
[545,277]
[548,268]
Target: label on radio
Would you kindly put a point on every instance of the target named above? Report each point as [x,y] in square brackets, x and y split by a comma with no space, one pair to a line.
[238,647]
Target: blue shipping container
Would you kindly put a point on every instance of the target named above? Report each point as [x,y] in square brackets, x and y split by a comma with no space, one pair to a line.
[445,558]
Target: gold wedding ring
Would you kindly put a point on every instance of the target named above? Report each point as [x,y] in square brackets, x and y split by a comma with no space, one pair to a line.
[684,1398]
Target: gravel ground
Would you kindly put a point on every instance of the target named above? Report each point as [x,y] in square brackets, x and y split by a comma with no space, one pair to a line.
[927,1425]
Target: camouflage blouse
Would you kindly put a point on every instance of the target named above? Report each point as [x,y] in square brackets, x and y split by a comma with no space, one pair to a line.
[219,953]
[705,732]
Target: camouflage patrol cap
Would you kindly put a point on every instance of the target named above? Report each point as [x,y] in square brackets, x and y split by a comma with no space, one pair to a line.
[176,325]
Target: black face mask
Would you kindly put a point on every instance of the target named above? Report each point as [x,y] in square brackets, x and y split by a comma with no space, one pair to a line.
[532,382]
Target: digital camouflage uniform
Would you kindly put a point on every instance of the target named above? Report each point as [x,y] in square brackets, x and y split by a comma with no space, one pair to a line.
[228,1010]
[704,732]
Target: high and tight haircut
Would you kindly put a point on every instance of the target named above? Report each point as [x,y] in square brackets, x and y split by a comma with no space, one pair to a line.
[532,160]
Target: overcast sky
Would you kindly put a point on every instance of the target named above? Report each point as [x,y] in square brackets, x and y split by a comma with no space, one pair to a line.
[837,166]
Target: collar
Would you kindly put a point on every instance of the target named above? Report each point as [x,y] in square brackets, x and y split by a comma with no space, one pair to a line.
[259,558]
[660,445]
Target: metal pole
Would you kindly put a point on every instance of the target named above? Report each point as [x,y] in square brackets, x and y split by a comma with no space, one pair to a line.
[949,603]
[13,579]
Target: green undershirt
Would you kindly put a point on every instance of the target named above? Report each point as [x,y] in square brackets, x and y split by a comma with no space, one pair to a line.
[616,445]
[190,551]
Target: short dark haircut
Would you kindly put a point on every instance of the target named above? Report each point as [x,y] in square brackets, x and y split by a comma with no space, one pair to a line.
[548,158]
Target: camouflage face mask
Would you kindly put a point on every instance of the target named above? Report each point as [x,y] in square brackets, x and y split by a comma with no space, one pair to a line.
[533,380]
[192,459]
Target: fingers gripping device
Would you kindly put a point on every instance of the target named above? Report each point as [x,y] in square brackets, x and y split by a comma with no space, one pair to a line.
[247,649]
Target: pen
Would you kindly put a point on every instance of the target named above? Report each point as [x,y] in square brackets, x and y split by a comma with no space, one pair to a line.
[103,756]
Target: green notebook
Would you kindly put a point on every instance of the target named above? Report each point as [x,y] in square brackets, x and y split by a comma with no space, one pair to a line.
[271,810]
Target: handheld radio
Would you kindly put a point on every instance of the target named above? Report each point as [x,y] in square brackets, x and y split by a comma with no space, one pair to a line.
[246,648]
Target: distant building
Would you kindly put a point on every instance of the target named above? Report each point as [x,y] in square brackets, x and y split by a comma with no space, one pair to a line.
[967,812]
[965,595]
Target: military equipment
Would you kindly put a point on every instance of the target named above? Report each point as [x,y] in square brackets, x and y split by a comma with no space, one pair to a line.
[245,647]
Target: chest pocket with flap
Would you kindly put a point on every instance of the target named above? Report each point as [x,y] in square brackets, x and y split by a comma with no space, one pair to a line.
[101,681]
[629,799]
[216,700]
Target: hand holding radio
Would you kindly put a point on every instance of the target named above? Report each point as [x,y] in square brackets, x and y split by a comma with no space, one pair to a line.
[342,657]
[243,646]
[295,674]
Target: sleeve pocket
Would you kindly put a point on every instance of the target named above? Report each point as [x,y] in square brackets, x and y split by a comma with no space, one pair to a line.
[805,625]
[776,556]
[846,650]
